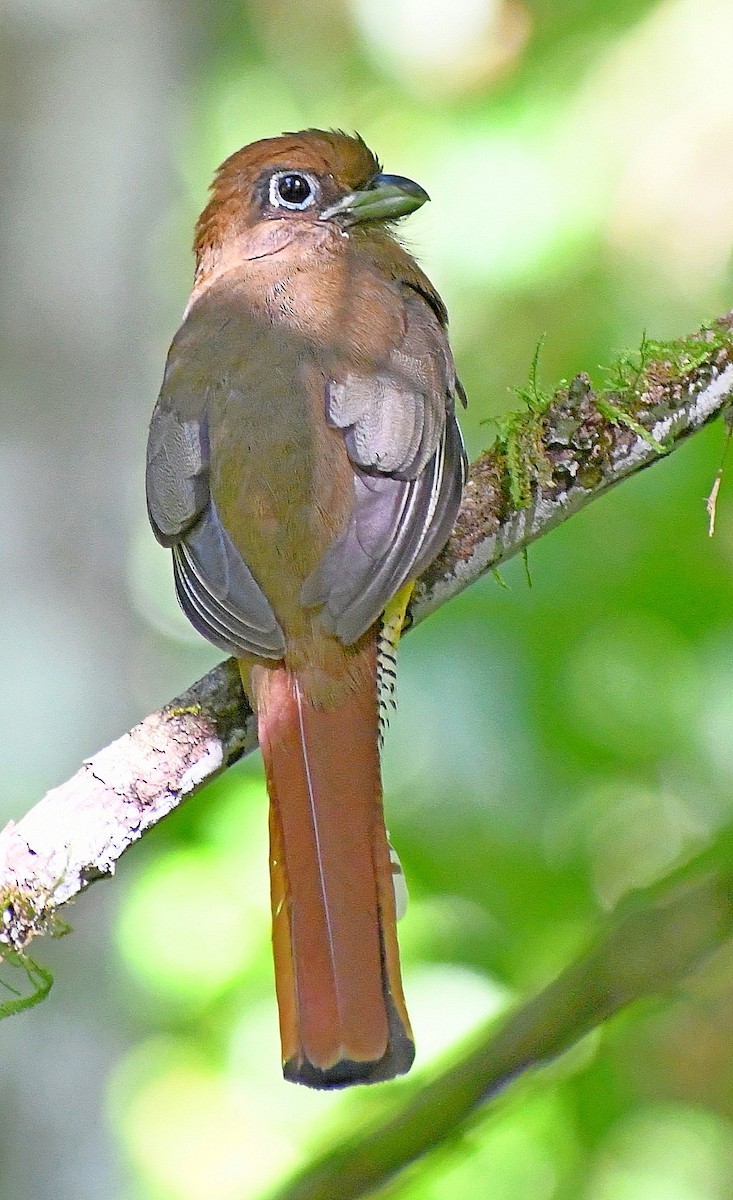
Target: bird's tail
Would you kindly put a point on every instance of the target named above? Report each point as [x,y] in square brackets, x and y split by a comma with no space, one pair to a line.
[342,1013]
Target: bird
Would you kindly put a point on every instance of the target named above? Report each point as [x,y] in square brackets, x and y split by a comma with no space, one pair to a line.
[304,466]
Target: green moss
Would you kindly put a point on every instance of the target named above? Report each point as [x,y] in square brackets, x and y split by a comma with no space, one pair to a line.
[532,395]
[665,362]
[637,384]
[612,411]
[35,917]
[39,978]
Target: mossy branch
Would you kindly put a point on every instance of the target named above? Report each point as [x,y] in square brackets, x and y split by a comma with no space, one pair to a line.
[565,448]
[561,451]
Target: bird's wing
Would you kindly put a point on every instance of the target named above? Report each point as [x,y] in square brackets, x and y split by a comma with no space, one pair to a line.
[409,465]
[215,587]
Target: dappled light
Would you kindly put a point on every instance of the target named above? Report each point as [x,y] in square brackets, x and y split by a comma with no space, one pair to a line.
[563,731]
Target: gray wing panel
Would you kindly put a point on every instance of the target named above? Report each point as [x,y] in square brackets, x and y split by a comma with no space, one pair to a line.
[219,594]
[397,527]
[214,585]
[177,472]
[448,502]
[393,418]
[409,470]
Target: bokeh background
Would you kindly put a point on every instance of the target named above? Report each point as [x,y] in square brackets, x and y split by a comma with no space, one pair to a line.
[555,746]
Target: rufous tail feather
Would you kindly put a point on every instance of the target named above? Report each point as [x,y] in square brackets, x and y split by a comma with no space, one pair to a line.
[342,1013]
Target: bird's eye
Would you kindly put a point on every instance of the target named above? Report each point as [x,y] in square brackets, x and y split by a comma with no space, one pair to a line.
[292,189]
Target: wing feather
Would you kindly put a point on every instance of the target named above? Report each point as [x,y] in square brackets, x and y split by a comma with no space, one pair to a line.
[409,465]
[215,587]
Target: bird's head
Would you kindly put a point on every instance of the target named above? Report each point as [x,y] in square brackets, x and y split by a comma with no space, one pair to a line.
[284,188]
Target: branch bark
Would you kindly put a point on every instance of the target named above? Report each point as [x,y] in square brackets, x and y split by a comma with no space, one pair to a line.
[564,451]
[656,939]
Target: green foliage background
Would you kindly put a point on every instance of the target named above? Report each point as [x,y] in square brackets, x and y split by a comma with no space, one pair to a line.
[555,747]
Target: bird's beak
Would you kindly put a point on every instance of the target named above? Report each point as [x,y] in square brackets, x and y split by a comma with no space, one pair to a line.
[385,198]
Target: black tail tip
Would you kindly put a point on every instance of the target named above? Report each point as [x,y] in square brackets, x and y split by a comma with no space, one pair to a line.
[348,1072]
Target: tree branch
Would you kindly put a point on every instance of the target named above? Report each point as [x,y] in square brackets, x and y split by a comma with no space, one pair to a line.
[548,461]
[654,940]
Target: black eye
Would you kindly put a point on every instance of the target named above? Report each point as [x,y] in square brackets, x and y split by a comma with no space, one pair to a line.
[291,189]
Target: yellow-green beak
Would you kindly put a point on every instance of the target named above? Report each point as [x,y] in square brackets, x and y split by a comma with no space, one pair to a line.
[385,198]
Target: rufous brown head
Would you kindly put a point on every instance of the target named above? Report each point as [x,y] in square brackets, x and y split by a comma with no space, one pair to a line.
[310,179]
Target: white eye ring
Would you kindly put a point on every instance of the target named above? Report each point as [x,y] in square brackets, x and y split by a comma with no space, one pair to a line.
[278,201]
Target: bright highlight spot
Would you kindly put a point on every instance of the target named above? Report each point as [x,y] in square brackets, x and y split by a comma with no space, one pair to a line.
[669,1153]
[193,923]
[190,1131]
[452,44]
[440,32]
[448,1002]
